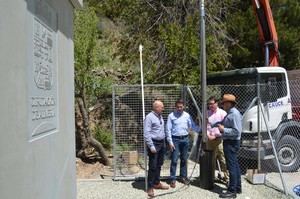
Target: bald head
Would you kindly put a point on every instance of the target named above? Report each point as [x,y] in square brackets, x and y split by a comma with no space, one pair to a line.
[158,106]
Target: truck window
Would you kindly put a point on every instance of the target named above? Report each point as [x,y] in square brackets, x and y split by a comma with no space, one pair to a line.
[272,86]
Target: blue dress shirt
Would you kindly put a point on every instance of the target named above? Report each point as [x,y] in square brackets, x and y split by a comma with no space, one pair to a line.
[154,129]
[179,124]
[232,125]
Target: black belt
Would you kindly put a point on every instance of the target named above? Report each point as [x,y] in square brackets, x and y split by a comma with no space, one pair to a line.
[158,141]
[180,137]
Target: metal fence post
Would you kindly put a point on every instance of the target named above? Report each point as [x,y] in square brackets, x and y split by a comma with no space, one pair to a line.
[143,110]
[258,129]
[274,149]
[114,129]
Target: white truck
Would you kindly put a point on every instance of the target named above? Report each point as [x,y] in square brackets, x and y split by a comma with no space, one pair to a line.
[271,86]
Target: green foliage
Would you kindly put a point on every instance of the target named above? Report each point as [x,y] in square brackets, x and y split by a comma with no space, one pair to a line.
[104,136]
[246,50]
[286,14]
[124,147]
[169,32]
[87,54]
[182,53]
[95,55]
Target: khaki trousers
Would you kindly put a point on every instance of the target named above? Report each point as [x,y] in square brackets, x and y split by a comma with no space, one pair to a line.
[216,146]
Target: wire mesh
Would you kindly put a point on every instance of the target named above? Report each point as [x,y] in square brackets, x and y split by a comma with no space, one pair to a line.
[280,102]
[280,107]
[128,145]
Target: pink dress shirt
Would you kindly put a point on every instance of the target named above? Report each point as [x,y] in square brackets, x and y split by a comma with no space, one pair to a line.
[214,117]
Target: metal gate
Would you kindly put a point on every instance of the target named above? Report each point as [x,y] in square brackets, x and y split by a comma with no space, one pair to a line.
[128,146]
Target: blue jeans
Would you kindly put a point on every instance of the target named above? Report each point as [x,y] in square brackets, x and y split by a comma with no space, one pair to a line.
[181,147]
[231,148]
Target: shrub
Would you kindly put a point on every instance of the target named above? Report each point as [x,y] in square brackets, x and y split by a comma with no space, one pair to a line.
[104,136]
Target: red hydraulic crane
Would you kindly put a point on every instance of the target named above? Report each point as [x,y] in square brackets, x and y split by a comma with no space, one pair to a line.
[267,31]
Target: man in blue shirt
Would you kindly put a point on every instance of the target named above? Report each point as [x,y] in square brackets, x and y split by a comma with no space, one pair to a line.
[154,135]
[231,129]
[178,125]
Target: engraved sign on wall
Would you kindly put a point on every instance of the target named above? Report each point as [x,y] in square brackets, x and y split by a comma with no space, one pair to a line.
[43,100]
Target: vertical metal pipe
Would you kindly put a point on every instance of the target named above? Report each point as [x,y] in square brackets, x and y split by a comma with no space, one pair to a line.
[143,108]
[258,127]
[267,54]
[114,129]
[203,69]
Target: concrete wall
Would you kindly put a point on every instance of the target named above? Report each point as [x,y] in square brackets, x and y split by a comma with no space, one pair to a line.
[37,139]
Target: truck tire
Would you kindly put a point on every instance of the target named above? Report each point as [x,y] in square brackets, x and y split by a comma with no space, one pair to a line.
[288,151]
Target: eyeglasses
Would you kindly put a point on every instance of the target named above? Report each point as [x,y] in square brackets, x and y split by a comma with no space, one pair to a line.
[212,103]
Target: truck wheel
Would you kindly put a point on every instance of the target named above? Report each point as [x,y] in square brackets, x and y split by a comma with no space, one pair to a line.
[288,151]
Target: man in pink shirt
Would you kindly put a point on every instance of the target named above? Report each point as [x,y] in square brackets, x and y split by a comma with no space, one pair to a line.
[215,114]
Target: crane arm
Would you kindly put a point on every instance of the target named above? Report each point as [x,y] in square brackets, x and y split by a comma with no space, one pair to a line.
[267,31]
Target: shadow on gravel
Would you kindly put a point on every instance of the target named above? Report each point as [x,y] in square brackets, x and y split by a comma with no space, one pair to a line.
[141,186]
[138,185]
[217,188]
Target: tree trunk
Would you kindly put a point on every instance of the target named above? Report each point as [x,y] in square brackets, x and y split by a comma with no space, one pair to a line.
[83,132]
[98,146]
[81,139]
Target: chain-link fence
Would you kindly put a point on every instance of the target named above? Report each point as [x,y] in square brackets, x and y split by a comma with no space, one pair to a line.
[271,128]
[128,146]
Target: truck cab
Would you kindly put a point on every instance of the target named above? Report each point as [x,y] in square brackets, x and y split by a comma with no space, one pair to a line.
[273,90]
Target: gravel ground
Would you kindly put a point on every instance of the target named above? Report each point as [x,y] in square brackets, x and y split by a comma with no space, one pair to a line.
[107,188]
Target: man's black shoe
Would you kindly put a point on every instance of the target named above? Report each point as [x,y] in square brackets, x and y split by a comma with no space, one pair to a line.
[227,194]
[239,191]
[184,181]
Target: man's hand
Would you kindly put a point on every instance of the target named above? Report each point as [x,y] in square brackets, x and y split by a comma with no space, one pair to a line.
[207,121]
[152,149]
[198,120]
[172,147]
[211,137]
[221,128]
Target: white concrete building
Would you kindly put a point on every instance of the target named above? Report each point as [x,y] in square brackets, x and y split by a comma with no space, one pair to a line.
[37,133]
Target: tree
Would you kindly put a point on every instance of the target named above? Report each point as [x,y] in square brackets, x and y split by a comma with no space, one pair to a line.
[169,31]
[97,67]
[87,84]
[246,50]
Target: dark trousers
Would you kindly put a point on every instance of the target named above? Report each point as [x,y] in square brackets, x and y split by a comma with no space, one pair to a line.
[156,160]
[231,148]
[181,147]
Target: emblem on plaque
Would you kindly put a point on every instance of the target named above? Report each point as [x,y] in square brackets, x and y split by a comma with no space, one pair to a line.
[43,60]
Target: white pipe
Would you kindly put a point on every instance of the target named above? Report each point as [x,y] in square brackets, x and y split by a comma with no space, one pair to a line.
[143,108]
